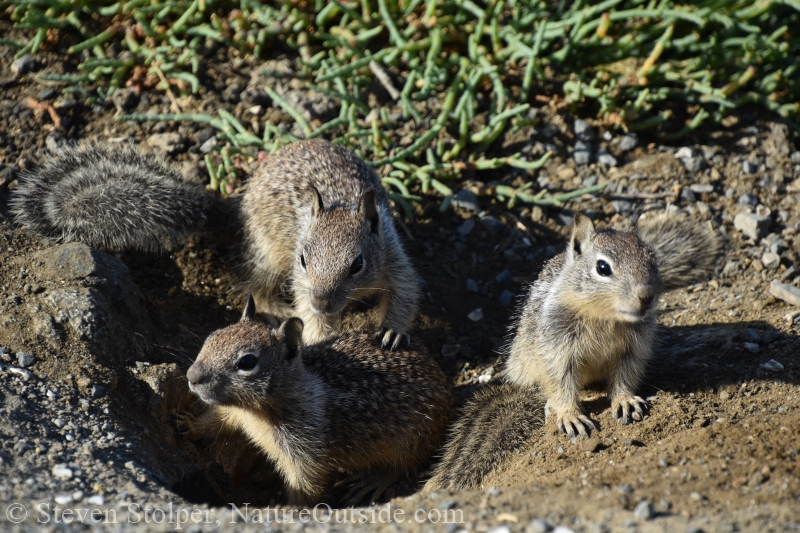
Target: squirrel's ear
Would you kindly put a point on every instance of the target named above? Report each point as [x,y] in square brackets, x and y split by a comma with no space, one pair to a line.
[315,199]
[582,233]
[291,334]
[370,210]
[249,309]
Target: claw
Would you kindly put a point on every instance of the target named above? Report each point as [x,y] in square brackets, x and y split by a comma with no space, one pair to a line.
[629,409]
[392,340]
[576,425]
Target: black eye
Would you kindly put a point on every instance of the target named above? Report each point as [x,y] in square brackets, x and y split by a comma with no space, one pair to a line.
[303,260]
[603,268]
[357,265]
[248,362]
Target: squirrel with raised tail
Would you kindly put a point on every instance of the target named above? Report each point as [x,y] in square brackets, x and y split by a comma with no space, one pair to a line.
[320,412]
[590,318]
[317,228]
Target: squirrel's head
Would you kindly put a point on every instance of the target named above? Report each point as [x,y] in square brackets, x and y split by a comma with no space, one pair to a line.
[243,364]
[340,251]
[610,274]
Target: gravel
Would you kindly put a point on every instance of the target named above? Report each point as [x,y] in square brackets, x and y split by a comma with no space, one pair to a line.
[644,510]
[751,225]
[25,359]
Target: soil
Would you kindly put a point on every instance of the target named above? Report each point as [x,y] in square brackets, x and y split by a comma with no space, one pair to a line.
[718,451]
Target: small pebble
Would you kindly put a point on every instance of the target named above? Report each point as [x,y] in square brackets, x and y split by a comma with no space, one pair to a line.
[493,491]
[476,315]
[492,224]
[606,159]
[752,347]
[59,423]
[625,489]
[696,496]
[503,277]
[499,529]
[751,335]
[753,226]
[772,366]
[506,298]
[466,227]
[695,529]
[700,188]
[97,499]
[770,260]
[62,472]
[562,529]
[644,510]
[628,142]
[466,199]
[63,499]
[97,391]
[472,285]
[25,359]
[662,462]
[749,168]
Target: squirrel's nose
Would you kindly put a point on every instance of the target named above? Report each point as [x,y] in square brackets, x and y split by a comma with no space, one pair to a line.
[321,297]
[195,375]
[646,300]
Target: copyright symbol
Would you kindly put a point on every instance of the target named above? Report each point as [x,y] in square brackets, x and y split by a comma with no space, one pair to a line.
[16,513]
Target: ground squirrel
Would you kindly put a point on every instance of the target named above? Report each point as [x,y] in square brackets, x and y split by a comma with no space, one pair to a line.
[316,224]
[588,318]
[339,407]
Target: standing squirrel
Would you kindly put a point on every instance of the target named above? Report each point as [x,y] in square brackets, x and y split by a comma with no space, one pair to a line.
[589,318]
[315,220]
[342,406]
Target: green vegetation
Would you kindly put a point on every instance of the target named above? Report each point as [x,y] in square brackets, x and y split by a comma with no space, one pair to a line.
[634,64]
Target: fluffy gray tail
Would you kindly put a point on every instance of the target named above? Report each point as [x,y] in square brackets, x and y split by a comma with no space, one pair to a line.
[496,422]
[113,199]
[685,250]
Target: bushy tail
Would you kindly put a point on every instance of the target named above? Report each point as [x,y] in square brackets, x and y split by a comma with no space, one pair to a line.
[496,422]
[685,250]
[114,199]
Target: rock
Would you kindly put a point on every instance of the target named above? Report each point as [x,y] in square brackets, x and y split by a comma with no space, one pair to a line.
[537,526]
[168,142]
[628,142]
[100,306]
[24,375]
[562,529]
[25,359]
[466,227]
[770,259]
[770,337]
[503,277]
[506,298]
[606,159]
[499,529]
[700,188]
[582,153]
[492,224]
[751,335]
[752,347]
[472,285]
[124,98]
[63,499]
[97,391]
[582,130]
[693,165]
[644,510]
[493,491]
[62,472]
[97,499]
[749,168]
[748,199]
[623,207]
[466,199]
[751,225]
[591,181]
[476,315]
[23,65]
[687,195]
[683,152]
[785,292]
[772,366]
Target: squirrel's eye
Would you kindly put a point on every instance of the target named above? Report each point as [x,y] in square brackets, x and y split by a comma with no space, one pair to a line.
[357,265]
[603,268]
[303,260]
[246,363]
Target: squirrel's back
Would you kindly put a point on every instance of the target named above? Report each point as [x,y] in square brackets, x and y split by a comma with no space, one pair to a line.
[111,198]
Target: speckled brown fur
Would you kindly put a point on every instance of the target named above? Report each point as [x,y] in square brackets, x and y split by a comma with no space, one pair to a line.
[578,327]
[304,244]
[343,406]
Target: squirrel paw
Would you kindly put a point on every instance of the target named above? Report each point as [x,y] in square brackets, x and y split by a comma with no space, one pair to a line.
[184,423]
[392,340]
[628,410]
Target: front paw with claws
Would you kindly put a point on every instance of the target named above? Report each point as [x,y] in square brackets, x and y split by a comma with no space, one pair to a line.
[392,340]
[572,422]
[629,409]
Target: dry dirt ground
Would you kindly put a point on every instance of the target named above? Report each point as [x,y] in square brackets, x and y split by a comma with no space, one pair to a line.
[111,338]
